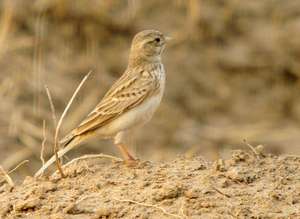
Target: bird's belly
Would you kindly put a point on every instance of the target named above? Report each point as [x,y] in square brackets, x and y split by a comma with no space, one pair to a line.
[134,117]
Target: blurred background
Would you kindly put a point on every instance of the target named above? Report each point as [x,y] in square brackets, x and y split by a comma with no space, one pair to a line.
[233,71]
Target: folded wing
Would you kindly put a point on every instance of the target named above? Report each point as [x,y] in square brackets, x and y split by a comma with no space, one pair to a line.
[128,92]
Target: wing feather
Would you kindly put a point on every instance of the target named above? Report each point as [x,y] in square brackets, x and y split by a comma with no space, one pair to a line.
[129,91]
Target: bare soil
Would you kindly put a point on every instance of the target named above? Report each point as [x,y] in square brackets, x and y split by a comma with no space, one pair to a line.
[244,186]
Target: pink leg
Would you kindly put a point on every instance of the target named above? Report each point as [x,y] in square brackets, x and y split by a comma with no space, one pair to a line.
[125,153]
[128,158]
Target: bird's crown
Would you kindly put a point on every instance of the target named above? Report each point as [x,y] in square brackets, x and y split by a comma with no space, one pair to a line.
[147,46]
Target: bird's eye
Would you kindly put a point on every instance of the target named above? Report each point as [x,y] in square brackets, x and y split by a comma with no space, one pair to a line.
[157,40]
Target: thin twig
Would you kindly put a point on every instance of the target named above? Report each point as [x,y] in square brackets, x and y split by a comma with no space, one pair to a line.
[58,164]
[252,148]
[20,164]
[181,209]
[52,107]
[86,197]
[16,157]
[43,143]
[54,118]
[38,58]
[220,192]
[90,156]
[149,205]
[7,177]
[134,202]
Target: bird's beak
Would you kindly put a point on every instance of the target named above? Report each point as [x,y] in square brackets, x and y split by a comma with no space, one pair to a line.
[168,38]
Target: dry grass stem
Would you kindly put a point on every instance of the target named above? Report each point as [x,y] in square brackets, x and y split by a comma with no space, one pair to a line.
[5,24]
[38,61]
[137,203]
[20,164]
[51,106]
[91,156]
[149,205]
[181,210]
[252,149]
[6,177]
[43,143]
[58,164]
[220,192]
[16,157]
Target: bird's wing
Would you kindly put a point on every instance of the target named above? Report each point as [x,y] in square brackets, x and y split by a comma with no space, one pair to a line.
[128,92]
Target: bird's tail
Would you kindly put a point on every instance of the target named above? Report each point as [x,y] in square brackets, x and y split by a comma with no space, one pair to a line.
[69,142]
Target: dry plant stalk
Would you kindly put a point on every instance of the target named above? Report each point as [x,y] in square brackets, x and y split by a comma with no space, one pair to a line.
[182,211]
[58,164]
[54,118]
[252,149]
[20,164]
[5,23]
[137,203]
[38,54]
[57,160]
[18,156]
[51,106]
[43,143]
[90,156]
[149,205]
[220,192]
[7,177]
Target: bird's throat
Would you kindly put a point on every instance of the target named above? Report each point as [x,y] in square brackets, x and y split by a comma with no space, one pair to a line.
[138,60]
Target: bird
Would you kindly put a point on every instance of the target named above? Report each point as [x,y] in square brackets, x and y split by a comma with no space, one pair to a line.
[129,103]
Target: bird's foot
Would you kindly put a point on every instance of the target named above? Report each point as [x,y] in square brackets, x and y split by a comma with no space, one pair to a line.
[131,162]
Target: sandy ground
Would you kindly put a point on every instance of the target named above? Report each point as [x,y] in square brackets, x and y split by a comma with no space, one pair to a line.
[244,186]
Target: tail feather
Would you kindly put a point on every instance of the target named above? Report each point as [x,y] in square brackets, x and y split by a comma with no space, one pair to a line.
[69,144]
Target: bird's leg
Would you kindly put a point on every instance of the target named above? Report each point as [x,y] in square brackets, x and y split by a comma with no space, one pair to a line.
[125,153]
[128,158]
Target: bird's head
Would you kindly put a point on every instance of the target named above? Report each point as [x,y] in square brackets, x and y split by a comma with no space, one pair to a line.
[148,45]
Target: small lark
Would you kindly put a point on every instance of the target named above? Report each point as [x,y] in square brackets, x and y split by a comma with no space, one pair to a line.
[130,102]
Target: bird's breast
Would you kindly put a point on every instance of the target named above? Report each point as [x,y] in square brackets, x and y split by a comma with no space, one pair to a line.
[134,117]
[138,115]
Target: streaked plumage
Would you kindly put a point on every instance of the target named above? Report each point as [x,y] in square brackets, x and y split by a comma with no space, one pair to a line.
[131,101]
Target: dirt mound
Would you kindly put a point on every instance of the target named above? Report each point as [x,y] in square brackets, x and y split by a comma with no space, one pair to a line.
[244,186]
